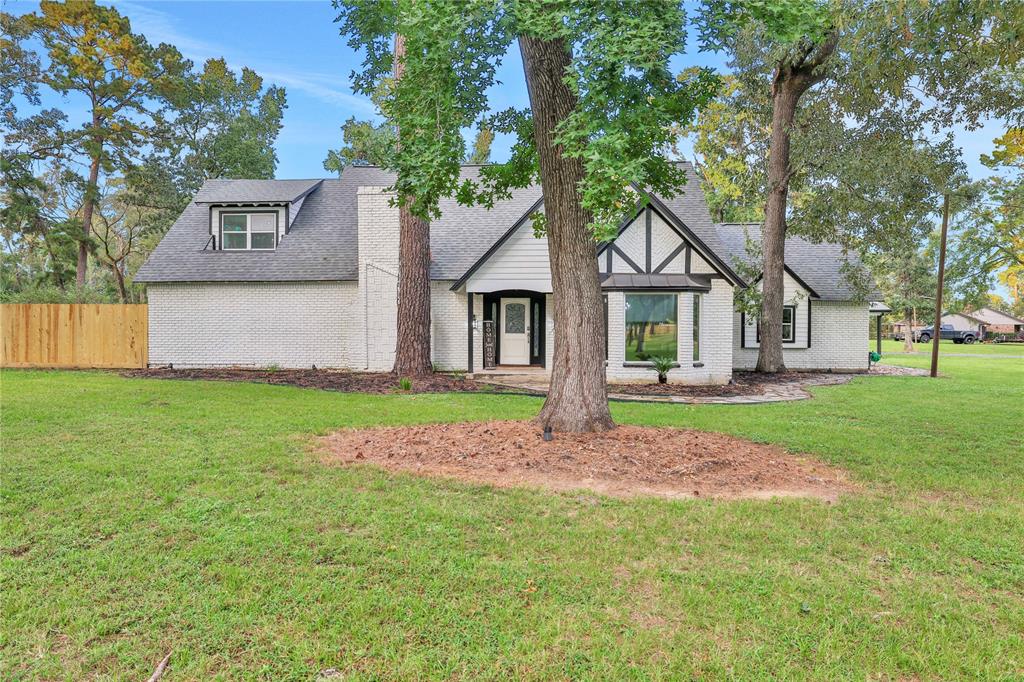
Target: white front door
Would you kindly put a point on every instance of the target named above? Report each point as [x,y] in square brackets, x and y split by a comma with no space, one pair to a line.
[515,331]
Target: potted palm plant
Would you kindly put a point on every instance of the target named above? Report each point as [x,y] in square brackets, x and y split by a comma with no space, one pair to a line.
[662,366]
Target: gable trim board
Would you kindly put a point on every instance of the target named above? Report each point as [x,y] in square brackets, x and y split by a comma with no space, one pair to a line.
[796,277]
[689,238]
[497,245]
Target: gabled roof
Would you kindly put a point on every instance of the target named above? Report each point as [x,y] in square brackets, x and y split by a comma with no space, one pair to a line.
[686,213]
[818,267]
[322,241]
[992,316]
[320,244]
[254,191]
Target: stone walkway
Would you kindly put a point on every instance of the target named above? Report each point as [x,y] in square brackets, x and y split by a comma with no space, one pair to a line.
[783,391]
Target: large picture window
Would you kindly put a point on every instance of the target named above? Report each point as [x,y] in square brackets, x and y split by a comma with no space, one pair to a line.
[248,231]
[651,326]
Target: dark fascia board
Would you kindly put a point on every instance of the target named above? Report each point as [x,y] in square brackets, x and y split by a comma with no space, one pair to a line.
[496,245]
[687,234]
[805,285]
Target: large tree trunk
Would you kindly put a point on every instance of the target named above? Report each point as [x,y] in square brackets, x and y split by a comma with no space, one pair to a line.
[412,352]
[91,190]
[578,397]
[773,238]
[791,80]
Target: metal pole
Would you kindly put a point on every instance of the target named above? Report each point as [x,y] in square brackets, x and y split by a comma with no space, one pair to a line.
[937,325]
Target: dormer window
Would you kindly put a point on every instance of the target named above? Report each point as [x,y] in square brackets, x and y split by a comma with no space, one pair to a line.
[248,231]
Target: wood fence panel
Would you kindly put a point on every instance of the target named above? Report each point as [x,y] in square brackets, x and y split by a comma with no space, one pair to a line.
[74,335]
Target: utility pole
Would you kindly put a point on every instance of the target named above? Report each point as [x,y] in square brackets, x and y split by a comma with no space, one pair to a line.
[937,325]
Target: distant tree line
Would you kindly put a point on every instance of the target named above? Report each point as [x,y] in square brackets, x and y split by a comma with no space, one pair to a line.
[84,202]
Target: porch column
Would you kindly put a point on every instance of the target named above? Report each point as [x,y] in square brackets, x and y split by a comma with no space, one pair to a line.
[469,329]
[878,333]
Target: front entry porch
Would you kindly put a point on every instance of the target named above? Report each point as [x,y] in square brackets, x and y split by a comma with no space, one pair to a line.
[514,331]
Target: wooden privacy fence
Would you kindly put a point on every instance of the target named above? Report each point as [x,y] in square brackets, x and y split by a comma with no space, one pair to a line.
[74,335]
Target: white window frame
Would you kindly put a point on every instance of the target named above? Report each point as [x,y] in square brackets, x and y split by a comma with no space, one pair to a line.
[248,229]
[791,337]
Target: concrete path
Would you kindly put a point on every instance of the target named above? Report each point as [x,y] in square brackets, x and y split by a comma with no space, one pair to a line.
[776,393]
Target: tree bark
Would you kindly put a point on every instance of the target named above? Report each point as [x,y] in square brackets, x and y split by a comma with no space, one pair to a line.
[88,208]
[577,399]
[412,350]
[122,290]
[792,78]
[908,337]
[773,237]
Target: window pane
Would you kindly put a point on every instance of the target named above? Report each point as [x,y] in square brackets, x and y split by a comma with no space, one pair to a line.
[262,240]
[515,318]
[234,222]
[696,327]
[234,240]
[651,326]
[262,222]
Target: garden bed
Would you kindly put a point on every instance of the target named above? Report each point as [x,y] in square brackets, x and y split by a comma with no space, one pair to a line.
[330,380]
[625,462]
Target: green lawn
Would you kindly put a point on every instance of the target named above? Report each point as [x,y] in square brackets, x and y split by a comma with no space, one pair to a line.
[949,348]
[144,516]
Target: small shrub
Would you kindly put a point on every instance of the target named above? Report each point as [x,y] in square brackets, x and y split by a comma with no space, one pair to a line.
[662,366]
[273,367]
[405,384]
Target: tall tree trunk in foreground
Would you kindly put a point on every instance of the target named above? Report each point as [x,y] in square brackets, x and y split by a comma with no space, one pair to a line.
[578,396]
[412,352]
[88,208]
[791,80]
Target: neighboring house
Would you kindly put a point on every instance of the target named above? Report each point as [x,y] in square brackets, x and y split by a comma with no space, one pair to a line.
[998,322]
[965,322]
[302,273]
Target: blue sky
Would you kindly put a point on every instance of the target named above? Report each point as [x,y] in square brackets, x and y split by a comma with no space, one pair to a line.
[297,45]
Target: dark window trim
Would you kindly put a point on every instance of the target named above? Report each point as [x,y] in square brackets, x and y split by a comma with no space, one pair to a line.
[220,228]
[809,322]
[605,297]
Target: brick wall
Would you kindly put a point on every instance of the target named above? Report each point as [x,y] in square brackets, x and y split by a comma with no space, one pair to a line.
[378,279]
[290,324]
[839,339]
[715,337]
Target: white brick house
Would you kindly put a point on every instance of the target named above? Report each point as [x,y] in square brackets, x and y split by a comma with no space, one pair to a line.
[301,273]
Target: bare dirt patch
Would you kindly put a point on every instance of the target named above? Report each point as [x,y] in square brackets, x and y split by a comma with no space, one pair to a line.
[625,462]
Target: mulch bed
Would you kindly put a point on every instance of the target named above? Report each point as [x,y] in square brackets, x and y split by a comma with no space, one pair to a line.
[625,462]
[330,380]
